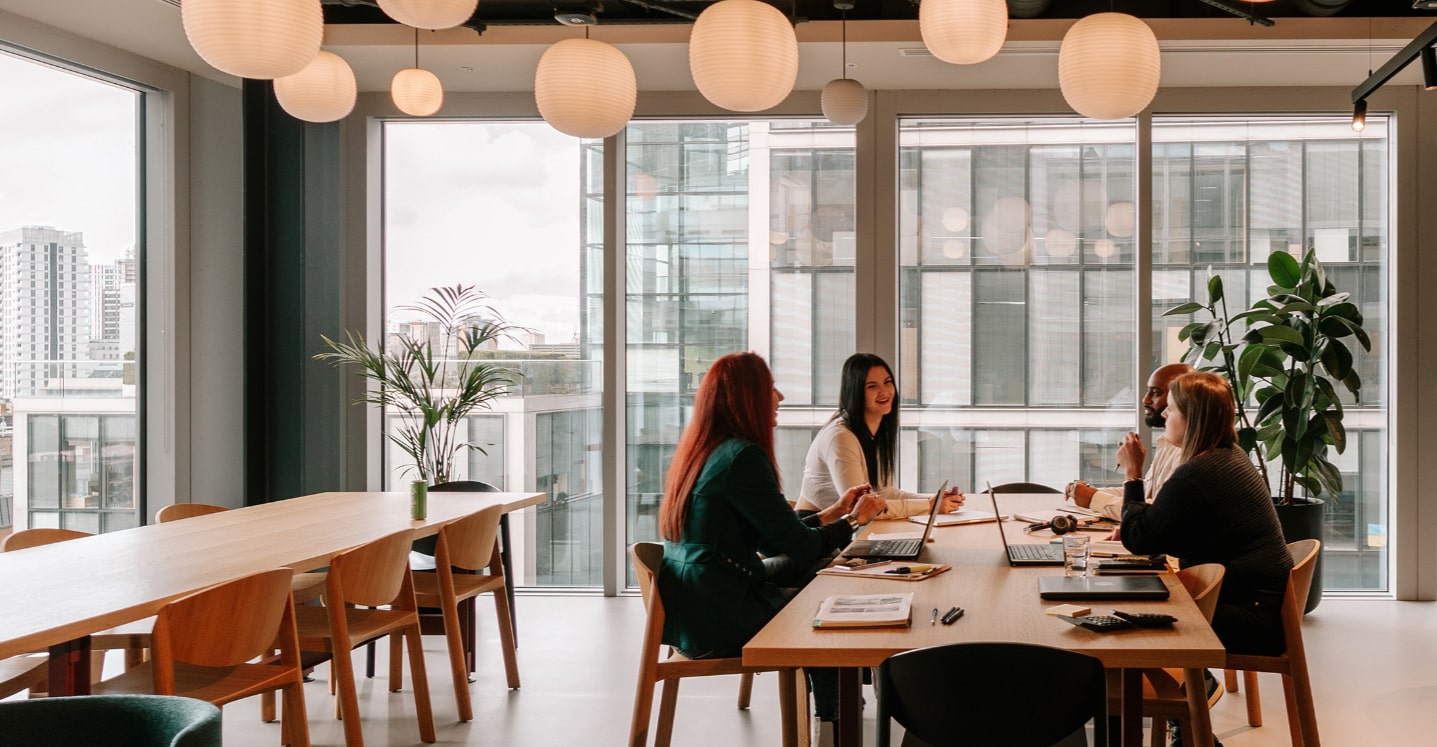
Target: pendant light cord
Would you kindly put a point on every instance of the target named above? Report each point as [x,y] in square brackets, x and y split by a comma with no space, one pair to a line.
[845,44]
[416,47]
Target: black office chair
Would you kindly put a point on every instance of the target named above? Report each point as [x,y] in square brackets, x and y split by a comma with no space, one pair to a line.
[1024,487]
[1013,694]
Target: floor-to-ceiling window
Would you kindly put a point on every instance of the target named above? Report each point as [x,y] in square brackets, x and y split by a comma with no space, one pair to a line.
[69,278]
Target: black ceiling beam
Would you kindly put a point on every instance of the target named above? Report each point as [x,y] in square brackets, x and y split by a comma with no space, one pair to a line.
[1394,66]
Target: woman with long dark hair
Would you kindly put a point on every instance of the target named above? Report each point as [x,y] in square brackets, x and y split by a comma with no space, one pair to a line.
[723,507]
[858,446]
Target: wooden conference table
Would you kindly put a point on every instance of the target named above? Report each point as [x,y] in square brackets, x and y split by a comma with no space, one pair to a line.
[61,593]
[1001,603]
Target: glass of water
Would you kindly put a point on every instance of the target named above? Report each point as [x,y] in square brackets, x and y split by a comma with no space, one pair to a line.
[1075,555]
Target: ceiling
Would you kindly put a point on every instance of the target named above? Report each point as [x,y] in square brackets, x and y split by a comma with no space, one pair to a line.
[1202,45]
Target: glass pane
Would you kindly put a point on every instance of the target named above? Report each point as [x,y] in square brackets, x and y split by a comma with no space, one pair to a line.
[514,209]
[69,274]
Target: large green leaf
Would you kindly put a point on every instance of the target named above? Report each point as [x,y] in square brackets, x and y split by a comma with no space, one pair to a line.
[1337,359]
[1186,308]
[1214,289]
[1280,334]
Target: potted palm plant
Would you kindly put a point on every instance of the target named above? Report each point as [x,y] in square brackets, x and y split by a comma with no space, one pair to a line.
[436,379]
[1285,356]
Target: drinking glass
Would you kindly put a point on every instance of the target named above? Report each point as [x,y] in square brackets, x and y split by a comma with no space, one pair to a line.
[1075,555]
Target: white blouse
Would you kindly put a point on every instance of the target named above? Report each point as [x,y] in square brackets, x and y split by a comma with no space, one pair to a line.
[835,464]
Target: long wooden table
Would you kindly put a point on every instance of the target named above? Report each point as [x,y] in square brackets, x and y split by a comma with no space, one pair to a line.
[59,594]
[1001,603]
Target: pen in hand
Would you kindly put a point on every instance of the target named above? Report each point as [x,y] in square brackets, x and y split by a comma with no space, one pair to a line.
[934,621]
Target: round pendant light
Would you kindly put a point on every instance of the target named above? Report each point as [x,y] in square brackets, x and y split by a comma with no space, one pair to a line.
[1109,65]
[844,101]
[963,32]
[585,88]
[417,92]
[743,55]
[429,14]
[257,39]
[322,92]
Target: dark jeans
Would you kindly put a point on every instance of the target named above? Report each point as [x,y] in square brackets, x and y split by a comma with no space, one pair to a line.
[1251,628]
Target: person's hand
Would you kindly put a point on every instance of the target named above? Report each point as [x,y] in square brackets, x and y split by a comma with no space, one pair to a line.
[844,504]
[1131,456]
[1079,493]
[952,501]
[868,508]
[1116,536]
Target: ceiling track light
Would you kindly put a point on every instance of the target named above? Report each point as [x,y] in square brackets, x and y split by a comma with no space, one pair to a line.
[1429,68]
[1359,115]
[1393,66]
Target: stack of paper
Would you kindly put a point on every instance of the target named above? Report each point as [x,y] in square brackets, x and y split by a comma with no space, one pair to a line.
[865,611]
[887,569]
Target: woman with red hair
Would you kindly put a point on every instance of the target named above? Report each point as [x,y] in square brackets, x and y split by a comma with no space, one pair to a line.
[723,507]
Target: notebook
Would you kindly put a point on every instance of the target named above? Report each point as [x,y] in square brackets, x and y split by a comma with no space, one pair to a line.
[961,516]
[1069,588]
[899,549]
[1026,554]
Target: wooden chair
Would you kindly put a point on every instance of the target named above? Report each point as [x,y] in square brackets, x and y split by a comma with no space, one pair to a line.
[19,673]
[647,556]
[470,544]
[1024,487]
[372,575]
[1165,695]
[1292,663]
[132,638]
[304,586]
[205,643]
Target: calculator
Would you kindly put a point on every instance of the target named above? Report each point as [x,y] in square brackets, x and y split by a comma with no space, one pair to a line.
[1098,623]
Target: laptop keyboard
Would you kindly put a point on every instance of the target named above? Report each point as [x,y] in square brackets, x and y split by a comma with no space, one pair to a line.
[1034,552]
[895,547]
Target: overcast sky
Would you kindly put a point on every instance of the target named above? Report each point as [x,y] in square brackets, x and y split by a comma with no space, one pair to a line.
[67,156]
[486,204]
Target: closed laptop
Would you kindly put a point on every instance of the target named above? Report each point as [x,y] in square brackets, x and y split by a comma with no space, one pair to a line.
[1101,587]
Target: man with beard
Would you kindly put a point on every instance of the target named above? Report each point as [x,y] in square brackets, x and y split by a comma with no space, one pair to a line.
[1109,501]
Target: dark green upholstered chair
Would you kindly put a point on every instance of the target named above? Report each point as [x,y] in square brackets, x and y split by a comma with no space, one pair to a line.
[111,721]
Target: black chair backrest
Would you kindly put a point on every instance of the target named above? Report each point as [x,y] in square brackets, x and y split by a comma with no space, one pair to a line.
[1013,694]
[464,486]
[1018,487]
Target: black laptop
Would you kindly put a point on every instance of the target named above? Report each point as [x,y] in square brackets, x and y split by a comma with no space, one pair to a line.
[1068,588]
[898,549]
[1026,554]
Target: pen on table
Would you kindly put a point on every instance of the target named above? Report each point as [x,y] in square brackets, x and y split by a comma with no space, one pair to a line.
[934,621]
[952,615]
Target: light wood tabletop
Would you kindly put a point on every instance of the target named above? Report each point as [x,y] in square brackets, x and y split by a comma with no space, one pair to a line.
[65,591]
[1001,603]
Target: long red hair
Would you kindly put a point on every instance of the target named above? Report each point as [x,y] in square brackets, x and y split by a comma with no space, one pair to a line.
[735,400]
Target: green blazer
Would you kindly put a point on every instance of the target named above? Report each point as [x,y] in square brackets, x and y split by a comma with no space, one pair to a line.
[713,584]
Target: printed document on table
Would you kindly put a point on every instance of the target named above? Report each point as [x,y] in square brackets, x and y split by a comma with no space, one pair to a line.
[864,610]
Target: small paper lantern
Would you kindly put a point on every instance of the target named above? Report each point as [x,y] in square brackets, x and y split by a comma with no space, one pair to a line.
[955,219]
[844,101]
[322,92]
[429,14]
[1104,248]
[417,92]
[963,32]
[1060,242]
[743,55]
[1109,65]
[585,88]
[256,39]
[1121,220]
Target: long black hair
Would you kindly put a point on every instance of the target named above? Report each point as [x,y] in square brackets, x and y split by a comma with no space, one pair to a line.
[878,448]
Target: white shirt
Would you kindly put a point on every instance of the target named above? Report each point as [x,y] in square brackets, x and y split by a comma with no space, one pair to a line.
[1166,458]
[835,464]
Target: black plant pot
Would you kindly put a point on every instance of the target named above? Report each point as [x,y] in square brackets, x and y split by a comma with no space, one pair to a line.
[1303,520]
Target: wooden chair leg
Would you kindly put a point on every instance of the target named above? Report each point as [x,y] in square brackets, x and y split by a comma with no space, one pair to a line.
[458,665]
[396,665]
[266,707]
[1306,709]
[422,707]
[787,705]
[508,640]
[745,690]
[295,726]
[801,714]
[1294,724]
[1159,736]
[667,704]
[1253,697]
[1229,680]
[1197,727]
[342,668]
[134,656]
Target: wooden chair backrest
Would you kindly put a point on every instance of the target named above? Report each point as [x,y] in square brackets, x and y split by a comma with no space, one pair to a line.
[1299,584]
[469,543]
[27,538]
[648,556]
[1203,582]
[371,574]
[177,511]
[225,625]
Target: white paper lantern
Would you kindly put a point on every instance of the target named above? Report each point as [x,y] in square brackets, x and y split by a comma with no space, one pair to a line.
[1104,248]
[322,92]
[743,55]
[1109,65]
[256,39]
[844,102]
[1121,220]
[963,32]
[1060,242]
[585,88]
[429,14]
[417,92]
[955,219]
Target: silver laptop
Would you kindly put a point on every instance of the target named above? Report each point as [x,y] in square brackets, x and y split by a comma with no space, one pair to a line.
[1026,554]
[899,549]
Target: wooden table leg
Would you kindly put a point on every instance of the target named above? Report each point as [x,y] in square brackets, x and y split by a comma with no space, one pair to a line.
[1198,714]
[506,555]
[850,708]
[1132,715]
[70,667]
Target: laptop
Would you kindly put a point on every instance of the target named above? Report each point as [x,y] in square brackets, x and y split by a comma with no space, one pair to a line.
[1026,554]
[899,549]
[1101,587]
